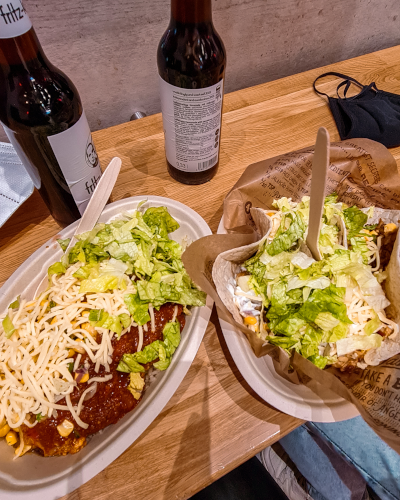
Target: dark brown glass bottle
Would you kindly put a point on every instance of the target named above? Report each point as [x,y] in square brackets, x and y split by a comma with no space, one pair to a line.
[191,56]
[42,115]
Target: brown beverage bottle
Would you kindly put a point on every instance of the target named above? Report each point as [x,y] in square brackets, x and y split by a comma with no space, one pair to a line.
[42,115]
[191,64]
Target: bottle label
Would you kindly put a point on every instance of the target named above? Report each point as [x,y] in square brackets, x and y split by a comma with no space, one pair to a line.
[78,160]
[192,125]
[14,20]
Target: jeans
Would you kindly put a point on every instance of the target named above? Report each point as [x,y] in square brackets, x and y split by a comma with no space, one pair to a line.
[339,459]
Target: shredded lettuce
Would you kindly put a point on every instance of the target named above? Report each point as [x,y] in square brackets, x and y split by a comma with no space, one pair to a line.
[56,268]
[101,318]
[8,326]
[305,301]
[373,325]
[86,252]
[369,285]
[99,285]
[320,282]
[137,308]
[64,243]
[15,304]
[302,260]
[328,300]
[163,350]
[286,239]
[95,314]
[354,219]
[321,361]
[358,342]
[358,244]
[158,219]
[328,239]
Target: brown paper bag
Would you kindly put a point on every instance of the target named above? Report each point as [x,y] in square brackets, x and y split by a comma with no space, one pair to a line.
[363,173]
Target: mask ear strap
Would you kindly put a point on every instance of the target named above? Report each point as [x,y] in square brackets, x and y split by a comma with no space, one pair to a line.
[347,81]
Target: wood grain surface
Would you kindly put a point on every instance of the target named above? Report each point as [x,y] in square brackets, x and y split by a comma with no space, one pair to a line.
[214,421]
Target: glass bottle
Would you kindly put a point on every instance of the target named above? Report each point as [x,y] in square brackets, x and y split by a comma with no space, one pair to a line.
[42,115]
[191,63]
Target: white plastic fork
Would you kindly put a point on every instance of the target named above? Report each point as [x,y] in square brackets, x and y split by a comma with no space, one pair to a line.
[317,196]
[93,210]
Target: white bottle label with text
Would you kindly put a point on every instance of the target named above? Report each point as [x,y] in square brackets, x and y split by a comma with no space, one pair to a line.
[192,125]
[14,20]
[78,160]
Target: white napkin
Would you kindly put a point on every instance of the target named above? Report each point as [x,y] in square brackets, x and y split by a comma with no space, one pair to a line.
[15,184]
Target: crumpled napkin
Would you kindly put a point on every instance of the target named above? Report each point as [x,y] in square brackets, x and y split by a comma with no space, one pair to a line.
[15,184]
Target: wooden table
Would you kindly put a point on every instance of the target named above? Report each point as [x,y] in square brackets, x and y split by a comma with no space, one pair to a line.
[214,422]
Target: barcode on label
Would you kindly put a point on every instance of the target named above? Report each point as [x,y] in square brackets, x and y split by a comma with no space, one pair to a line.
[207,164]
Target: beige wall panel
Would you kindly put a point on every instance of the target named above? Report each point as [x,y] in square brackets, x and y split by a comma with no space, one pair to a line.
[108,47]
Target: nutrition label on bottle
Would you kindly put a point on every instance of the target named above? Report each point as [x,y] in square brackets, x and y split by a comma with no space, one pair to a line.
[14,20]
[78,160]
[192,125]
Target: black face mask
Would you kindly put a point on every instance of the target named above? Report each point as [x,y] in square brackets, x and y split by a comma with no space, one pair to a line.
[373,114]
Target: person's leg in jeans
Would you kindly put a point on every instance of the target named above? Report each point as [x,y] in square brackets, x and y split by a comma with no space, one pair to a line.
[331,477]
[357,443]
[338,460]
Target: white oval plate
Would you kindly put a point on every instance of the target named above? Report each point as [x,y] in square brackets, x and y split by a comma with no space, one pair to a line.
[296,400]
[38,478]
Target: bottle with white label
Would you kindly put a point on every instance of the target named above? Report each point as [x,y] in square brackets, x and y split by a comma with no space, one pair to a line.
[42,115]
[191,64]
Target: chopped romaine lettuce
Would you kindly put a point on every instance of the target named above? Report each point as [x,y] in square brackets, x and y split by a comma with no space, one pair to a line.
[286,239]
[354,219]
[321,282]
[362,342]
[358,244]
[101,319]
[328,300]
[8,326]
[328,239]
[302,260]
[15,304]
[64,243]
[158,219]
[326,321]
[98,285]
[305,302]
[373,325]
[95,314]
[163,350]
[56,268]
[137,309]
[321,361]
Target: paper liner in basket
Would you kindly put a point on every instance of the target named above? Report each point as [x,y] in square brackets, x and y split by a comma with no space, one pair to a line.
[363,173]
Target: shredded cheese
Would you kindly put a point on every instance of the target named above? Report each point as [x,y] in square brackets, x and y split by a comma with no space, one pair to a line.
[175,314]
[37,353]
[153,322]
[91,388]
[140,344]
[100,379]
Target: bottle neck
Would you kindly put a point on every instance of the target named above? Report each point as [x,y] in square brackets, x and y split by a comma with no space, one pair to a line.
[21,49]
[191,11]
